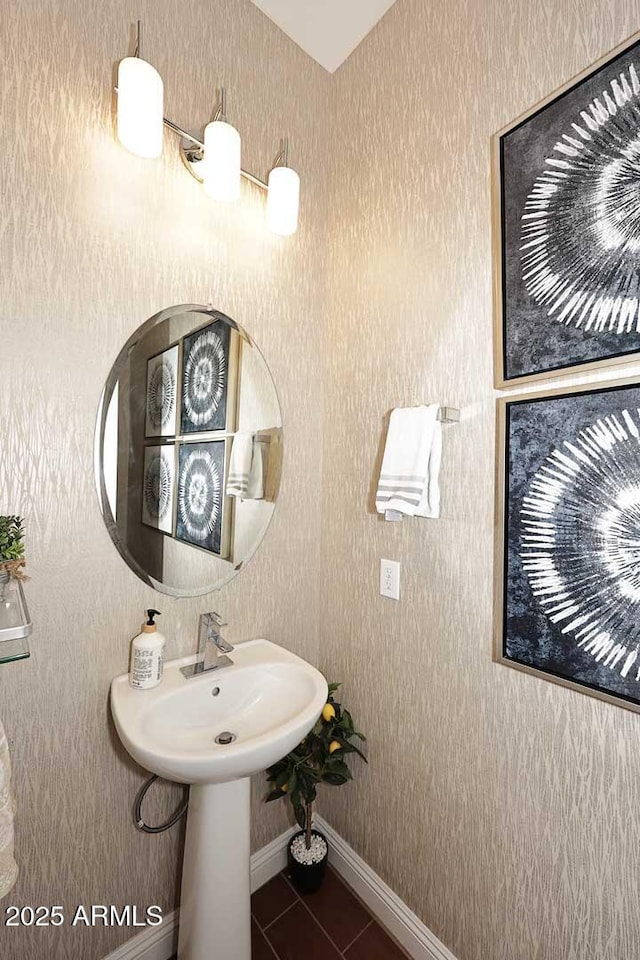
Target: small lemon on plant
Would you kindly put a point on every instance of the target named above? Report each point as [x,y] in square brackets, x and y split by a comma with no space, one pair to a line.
[328,712]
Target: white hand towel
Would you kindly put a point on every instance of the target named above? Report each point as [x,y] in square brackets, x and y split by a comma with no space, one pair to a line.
[8,866]
[409,474]
[255,483]
[246,469]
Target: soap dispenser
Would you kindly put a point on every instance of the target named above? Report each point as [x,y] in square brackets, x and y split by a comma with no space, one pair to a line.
[147,655]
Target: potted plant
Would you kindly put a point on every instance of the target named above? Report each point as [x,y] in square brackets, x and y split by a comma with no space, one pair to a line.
[319,758]
[11,550]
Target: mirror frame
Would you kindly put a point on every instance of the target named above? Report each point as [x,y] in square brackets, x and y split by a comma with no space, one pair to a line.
[112,380]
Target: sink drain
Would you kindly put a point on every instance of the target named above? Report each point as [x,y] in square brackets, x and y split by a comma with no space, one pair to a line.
[225,738]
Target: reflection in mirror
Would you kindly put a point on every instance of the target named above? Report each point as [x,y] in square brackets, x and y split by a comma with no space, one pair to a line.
[188,450]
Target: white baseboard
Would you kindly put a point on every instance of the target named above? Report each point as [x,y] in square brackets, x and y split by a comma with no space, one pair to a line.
[416,938]
[160,943]
[270,860]
[154,943]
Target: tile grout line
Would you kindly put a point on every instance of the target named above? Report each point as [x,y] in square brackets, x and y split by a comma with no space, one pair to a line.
[330,939]
[372,919]
[280,915]
[289,884]
[309,910]
[270,945]
[298,899]
[357,936]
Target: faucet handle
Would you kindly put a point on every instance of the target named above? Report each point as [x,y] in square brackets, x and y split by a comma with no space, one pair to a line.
[214,619]
[212,622]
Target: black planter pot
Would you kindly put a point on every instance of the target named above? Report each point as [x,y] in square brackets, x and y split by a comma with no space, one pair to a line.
[306,877]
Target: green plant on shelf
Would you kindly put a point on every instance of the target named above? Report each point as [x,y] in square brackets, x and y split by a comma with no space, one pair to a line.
[318,758]
[12,545]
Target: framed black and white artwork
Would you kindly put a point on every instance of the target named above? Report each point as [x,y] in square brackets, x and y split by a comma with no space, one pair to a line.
[567,574]
[158,487]
[567,226]
[206,375]
[201,502]
[161,414]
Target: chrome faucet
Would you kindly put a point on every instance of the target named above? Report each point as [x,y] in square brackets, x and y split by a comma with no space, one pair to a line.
[211,644]
[212,647]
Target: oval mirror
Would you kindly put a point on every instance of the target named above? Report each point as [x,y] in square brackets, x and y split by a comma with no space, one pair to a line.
[188,450]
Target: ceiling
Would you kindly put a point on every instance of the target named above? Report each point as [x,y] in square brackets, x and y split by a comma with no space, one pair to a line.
[328,30]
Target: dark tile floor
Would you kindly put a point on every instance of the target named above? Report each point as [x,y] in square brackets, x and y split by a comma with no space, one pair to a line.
[331,924]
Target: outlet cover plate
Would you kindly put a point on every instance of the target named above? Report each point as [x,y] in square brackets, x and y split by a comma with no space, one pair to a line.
[390,579]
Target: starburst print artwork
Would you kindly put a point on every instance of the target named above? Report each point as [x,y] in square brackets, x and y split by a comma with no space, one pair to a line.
[580,232]
[162,394]
[580,540]
[200,487]
[205,379]
[572,536]
[158,487]
[570,225]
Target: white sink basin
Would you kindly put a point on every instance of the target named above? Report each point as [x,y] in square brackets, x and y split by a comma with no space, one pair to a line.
[268,699]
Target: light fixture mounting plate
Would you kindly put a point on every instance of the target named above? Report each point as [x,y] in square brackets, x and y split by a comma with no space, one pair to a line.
[192,156]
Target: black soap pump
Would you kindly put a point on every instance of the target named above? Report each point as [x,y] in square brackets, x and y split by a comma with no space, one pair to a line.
[147,655]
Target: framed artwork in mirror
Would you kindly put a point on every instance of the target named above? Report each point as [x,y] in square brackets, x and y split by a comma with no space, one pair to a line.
[201,512]
[158,487]
[208,380]
[162,394]
[567,572]
[567,227]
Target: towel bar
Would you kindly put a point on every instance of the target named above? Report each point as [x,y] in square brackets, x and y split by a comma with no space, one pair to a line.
[449,415]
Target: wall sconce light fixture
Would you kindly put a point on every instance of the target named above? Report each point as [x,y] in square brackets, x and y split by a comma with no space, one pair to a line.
[283,196]
[215,159]
[140,105]
[222,169]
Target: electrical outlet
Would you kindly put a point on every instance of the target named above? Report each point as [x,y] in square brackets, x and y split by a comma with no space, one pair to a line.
[390,579]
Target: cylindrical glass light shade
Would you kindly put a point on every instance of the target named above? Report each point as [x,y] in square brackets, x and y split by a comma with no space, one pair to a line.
[283,197]
[140,107]
[221,163]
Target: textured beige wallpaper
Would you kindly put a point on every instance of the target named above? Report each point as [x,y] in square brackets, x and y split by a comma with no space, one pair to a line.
[501,808]
[93,241]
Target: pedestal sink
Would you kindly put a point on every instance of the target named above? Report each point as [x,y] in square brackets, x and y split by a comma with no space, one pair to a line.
[213,731]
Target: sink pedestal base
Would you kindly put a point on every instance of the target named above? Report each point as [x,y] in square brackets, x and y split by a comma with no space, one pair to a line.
[215,901]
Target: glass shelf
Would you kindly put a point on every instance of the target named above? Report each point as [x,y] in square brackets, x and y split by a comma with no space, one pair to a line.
[15,622]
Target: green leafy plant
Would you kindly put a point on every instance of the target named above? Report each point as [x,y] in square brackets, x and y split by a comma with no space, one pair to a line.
[11,540]
[319,758]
